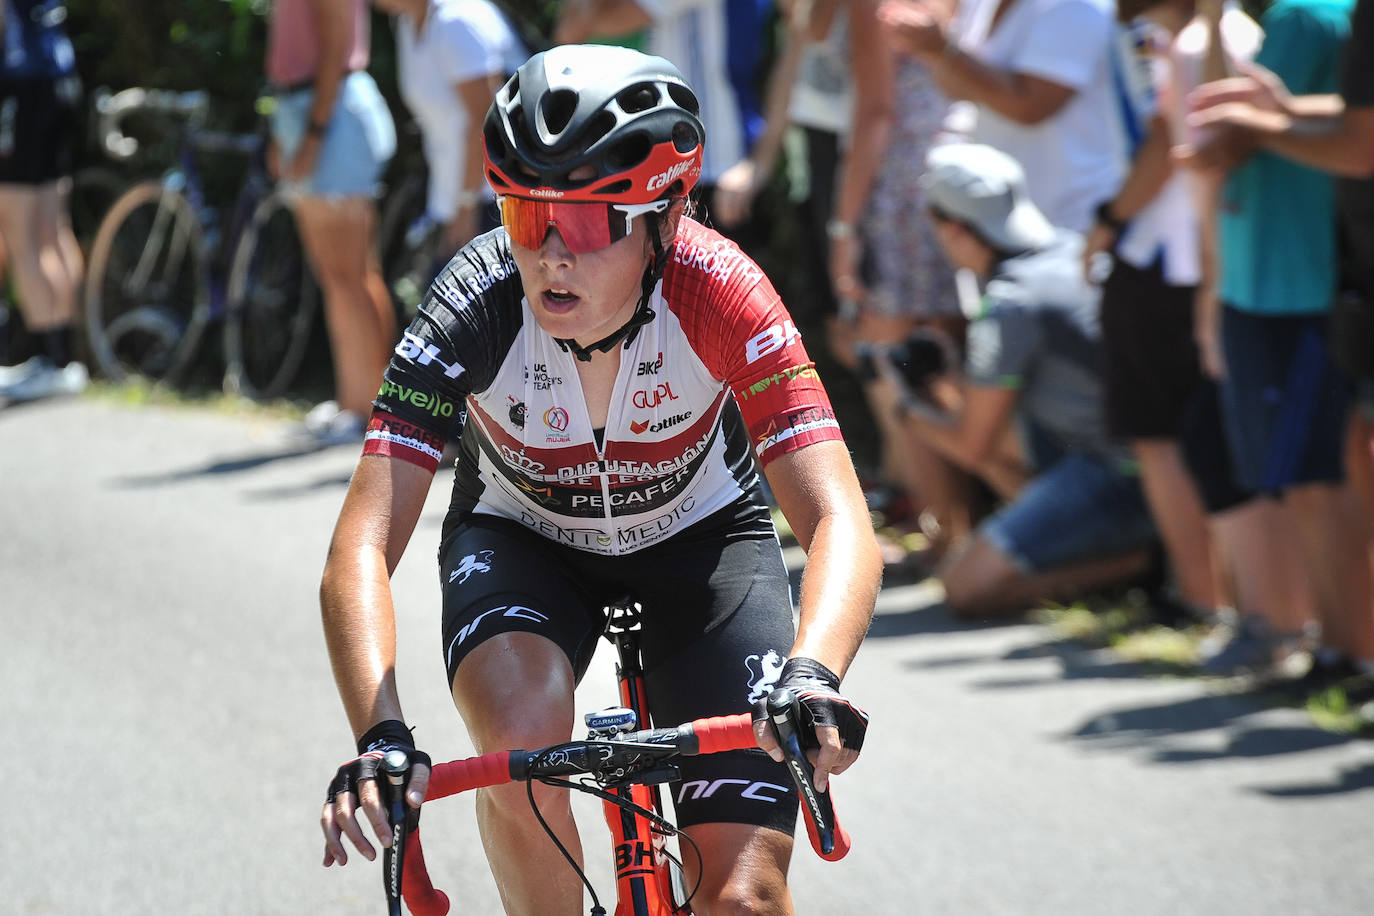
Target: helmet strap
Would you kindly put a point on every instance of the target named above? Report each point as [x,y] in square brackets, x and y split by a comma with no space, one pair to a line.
[642,313]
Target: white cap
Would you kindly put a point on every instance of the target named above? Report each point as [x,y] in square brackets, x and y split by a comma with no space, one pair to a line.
[986,189]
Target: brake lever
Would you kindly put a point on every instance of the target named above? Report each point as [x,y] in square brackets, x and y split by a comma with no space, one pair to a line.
[395,766]
[820,811]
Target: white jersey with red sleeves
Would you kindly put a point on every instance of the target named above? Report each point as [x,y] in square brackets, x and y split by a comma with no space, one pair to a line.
[718,377]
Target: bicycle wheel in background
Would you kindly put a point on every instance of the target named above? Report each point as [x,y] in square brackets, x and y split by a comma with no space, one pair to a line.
[94,189]
[406,246]
[272,303]
[146,290]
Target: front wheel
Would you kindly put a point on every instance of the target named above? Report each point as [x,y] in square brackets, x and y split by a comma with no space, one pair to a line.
[146,292]
[273,300]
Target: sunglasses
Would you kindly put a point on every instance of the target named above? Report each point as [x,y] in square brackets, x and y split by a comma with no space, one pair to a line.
[585,227]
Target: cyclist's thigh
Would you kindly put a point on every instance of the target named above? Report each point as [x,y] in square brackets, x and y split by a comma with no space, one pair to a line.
[499,578]
[717,628]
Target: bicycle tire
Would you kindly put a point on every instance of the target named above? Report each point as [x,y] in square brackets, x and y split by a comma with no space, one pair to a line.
[146,293]
[272,303]
[405,268]
[94,189]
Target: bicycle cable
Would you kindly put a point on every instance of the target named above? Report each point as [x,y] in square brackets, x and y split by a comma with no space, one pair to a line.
[657,822]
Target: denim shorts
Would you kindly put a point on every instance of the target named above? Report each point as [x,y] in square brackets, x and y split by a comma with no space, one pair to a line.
[1081,508]
[1284,402]
[356,147]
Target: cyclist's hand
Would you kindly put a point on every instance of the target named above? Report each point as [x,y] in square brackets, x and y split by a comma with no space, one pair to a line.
[355,786]
[832,728]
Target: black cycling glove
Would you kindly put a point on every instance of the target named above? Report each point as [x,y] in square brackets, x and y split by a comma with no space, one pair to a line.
[819,702]
[391,735]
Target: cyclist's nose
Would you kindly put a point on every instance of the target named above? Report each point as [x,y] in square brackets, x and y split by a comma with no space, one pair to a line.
[555,250]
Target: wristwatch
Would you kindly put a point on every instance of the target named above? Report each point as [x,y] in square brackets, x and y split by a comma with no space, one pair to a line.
[1105,217]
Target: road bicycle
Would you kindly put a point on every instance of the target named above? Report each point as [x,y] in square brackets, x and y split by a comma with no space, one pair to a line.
[164,267]
[624,761]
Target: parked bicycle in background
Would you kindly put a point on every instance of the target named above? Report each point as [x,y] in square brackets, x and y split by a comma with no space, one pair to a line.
[166,267]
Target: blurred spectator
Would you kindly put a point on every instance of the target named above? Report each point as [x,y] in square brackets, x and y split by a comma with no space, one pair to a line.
[39,101]
[452,56]
[1038,75]
[1033,358]
[889,274]
[693,35]
[1335,134]
[1220,539]
[1284,400]
[333,136]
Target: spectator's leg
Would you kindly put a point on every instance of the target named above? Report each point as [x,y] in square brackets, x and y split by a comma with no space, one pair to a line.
[1331,536]
[1260,572]
[982,581]
[39,276]
[362,325]
[1179,517]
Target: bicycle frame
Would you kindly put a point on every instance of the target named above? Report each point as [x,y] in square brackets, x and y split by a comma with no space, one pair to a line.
[643,874]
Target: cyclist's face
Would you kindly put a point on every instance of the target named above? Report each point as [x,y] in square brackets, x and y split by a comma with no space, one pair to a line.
[584,297]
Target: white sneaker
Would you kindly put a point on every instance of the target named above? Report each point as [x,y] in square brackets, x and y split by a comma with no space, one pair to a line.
[328,425]
[10,375]
[47,381]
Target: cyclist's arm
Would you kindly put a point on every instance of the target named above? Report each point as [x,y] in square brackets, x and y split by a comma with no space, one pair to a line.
[819,494]
[375,524]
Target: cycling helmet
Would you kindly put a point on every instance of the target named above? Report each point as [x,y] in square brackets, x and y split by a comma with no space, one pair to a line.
[630,116]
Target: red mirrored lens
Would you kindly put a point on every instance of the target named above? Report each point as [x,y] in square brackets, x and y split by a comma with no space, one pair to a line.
[584,226]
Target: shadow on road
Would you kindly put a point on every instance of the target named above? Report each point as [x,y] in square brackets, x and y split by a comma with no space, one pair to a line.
[233,466]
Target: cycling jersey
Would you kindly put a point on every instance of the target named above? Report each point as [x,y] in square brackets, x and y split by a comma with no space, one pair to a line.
[719,375]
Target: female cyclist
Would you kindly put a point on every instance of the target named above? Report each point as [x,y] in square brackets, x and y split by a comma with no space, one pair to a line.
[615,374]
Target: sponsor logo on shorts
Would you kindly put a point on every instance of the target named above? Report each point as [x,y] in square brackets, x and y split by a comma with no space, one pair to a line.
[751,790]
[479,562]
[515,611]
[763,674]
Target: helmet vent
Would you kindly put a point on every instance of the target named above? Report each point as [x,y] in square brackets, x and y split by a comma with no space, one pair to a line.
[630,152]
[684,97]
[685,138]
[637,98]
[557,108]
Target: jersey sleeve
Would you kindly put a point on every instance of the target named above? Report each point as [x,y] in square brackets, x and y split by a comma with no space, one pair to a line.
[744,335]
[449,351]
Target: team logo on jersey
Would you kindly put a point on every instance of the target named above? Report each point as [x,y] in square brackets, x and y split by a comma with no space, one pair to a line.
[763,674]
[648,400]
[517,412]
[422,353]
[556,419]
[770,341]
[640,426]
[479,562]
[542,380]
[651,368]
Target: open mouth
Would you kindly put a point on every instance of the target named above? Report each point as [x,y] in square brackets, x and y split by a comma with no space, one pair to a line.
[557,299]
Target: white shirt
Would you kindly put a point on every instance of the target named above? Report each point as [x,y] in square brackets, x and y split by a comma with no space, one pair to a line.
[1076,158]
[1168,227]
[461,40]
[691,34]
[823,95]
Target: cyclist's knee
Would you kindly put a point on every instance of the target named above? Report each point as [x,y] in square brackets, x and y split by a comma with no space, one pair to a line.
[748,892]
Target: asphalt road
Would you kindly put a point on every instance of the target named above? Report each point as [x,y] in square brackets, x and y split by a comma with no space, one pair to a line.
[171,721]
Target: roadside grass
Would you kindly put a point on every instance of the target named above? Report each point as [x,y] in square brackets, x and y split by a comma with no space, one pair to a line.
[142,393]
